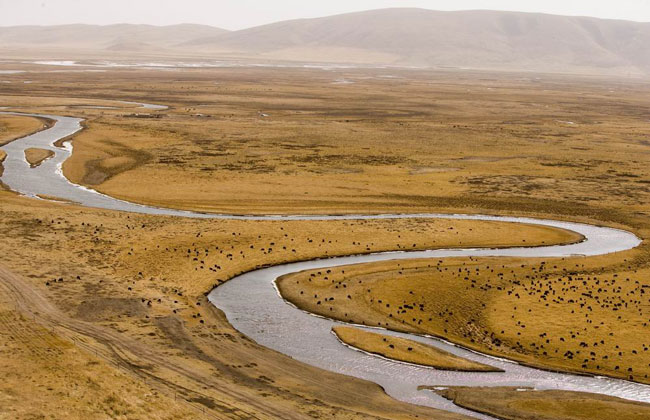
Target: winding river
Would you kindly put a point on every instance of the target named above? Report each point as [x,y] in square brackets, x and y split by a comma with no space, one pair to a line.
[253,305]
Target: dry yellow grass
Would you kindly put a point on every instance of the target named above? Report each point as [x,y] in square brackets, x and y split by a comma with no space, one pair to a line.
[133,275]
[405,350]
[3,156]
[425,141]
[14,127]
[595,319]
[44,375]
[35,156]
[520,403]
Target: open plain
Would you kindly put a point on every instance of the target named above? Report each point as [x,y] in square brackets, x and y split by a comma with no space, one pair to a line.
[104,313]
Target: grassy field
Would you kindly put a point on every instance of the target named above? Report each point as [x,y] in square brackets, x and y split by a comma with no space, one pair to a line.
[379,144]
[405,350]
[131,288]
[392,140]
[13,127]
[143,278]
[35,156]
[595,320]
[521,403]
[45,375]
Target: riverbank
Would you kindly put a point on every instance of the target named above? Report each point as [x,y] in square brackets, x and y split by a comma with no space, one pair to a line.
[132,275]
[137,278]
[14,127]
[519,403]
[405,350]
[36,156]
[493,305]
[343,150]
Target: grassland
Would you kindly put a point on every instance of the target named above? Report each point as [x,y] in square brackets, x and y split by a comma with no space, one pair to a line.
[518,403]
[405,350]
[379,144]
[35,156]
[46,375]
[595,320]
[126,287]
[13,127]
[416,140]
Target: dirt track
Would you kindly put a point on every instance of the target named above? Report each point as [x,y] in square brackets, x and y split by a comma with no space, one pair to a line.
[119,351]
[182,381]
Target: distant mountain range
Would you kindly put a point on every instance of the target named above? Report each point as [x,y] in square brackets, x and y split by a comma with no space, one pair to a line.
[400,37]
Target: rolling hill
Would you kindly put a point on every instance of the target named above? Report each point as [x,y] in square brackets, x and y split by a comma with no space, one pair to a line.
[475,39]
[102,37]
[401,37]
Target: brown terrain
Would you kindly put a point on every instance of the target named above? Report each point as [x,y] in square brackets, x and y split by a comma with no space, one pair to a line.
[13,127]
[522,403]
[122,293]
[405,350]
[36,156]
[97,302]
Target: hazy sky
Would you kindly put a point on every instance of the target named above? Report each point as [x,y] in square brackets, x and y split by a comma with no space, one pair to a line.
[237,14]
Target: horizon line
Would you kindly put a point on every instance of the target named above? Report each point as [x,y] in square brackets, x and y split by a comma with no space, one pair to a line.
[321,17]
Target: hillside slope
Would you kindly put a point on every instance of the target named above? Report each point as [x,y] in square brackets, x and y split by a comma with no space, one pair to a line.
[476,39]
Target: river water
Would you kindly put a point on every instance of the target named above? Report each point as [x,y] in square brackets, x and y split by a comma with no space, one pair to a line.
[253,305]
